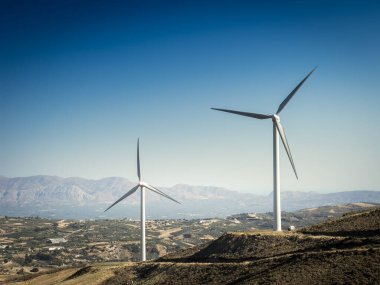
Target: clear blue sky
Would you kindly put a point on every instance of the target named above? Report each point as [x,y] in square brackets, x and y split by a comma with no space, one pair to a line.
[81,80]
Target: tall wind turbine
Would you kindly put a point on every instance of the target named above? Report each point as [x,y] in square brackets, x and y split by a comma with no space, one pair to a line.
[142,185]
[277,129]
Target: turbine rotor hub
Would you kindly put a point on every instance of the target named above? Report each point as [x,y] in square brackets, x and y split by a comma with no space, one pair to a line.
[276,117]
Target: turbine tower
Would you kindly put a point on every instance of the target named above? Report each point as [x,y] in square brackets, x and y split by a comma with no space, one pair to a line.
[142,185]
[277,129]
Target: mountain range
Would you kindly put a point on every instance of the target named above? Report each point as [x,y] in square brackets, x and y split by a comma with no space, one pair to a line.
[79,198]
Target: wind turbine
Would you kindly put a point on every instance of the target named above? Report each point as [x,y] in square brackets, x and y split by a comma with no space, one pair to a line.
[277,129]
[142,185]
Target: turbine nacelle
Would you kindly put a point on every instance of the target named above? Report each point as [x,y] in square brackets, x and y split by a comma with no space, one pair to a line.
[276,118]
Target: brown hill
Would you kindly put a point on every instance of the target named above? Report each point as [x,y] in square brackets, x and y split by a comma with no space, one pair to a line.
[235,247]
[366,223]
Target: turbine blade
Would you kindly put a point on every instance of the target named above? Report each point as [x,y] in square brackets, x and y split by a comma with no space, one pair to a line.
[286,145]
[287,99]
[154,189]
[130,192]
[252,115]
[138,159]
[158,190]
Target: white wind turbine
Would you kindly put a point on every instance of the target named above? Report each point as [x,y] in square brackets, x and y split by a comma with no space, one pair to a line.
[277,128]
[142,185]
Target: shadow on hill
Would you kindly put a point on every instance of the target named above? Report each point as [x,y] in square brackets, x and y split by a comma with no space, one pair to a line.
[82,271]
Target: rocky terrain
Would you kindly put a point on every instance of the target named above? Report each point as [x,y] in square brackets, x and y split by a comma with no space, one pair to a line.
[343,250]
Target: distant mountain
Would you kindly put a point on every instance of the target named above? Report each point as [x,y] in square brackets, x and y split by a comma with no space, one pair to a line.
[53,196]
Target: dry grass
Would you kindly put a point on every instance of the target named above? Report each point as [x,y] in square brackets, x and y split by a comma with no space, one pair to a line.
[63,224]
[169,232]
[95,274]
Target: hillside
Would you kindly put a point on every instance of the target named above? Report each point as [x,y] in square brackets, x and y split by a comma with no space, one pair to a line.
[256,257]
[362,224]
[237,247]
[79,198]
